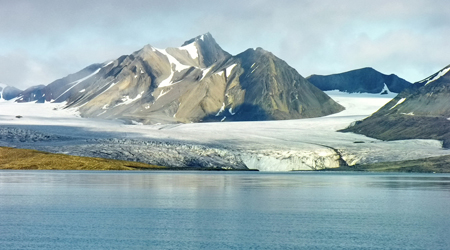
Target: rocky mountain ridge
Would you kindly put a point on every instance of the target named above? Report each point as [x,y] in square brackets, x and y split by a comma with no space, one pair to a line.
[419,112]
[198,81]
[365,80]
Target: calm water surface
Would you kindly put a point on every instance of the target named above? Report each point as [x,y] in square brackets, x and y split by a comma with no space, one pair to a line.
[217,210]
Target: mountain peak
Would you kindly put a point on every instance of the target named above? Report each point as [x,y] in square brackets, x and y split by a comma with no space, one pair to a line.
[207,37]
[208,50]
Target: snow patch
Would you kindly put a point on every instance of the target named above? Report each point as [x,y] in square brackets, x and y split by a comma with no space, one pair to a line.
[231,111]
[112,85]
[78,82]
[172,61]
[127,100]
[162,93]
[229,69]
[221,109]
[223,119]
[108,64]
[398,103]
[191,49]
[136,123]
[439,75]
[205,72]
[166,82]
[83,90]
[101,113]
[385,89]
[410,113]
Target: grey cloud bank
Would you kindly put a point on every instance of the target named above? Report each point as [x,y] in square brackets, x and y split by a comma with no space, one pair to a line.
[44,40]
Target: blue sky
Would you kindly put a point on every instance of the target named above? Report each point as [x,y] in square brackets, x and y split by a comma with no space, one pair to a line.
[42,40]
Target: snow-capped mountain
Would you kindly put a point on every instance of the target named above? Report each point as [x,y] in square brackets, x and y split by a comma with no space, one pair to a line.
[7,92]
[420,112]
[365,80]
[195,82]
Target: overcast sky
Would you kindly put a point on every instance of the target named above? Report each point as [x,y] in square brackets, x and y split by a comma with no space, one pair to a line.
[42,40]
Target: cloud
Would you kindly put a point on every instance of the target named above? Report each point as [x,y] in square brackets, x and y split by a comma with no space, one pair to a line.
[60,37]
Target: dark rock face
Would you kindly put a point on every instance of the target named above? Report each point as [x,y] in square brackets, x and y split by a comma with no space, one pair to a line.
[35,93]
[365,80]
[420,112]
[273,90]
[195,82]
[8,92]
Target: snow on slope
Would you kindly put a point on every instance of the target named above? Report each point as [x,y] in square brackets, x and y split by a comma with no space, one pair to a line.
[173,63]
[439,75]
[191,49]
[398,103]
[270,145]
[75,83]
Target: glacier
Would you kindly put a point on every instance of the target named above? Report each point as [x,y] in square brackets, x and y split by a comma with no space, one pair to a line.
[305,144]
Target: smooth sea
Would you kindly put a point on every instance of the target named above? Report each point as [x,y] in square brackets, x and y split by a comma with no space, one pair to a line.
[223,210]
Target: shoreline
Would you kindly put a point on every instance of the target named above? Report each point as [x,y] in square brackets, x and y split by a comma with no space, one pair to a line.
[28,159]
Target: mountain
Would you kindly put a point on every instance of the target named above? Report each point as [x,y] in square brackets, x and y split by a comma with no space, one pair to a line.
[198,81]
[8,92]
[60,89]
[365,80]
[420,112]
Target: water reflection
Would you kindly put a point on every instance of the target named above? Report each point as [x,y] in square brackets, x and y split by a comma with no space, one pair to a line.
[222,210]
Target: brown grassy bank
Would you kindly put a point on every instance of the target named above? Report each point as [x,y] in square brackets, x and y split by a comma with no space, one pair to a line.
[14,158]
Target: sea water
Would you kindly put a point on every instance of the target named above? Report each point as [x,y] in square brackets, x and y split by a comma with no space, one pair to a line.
[223,210]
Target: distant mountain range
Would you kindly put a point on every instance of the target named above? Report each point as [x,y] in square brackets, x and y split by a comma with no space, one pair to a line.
[365,80]
[419,112]
[195,82]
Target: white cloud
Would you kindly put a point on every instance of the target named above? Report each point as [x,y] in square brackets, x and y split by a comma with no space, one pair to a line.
[322,36]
